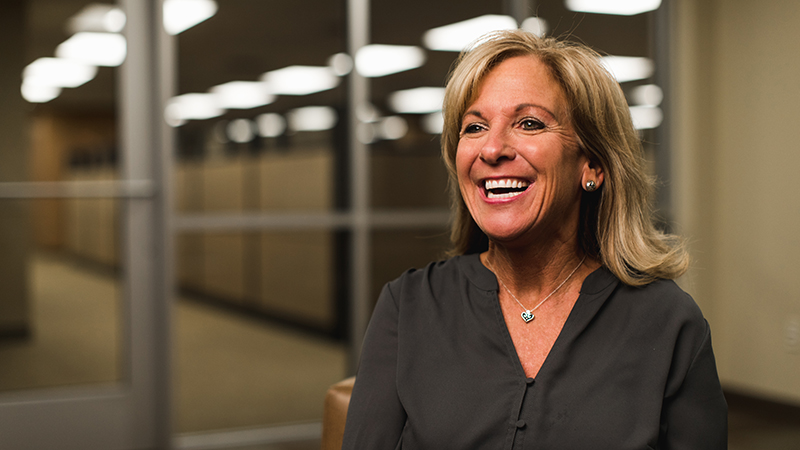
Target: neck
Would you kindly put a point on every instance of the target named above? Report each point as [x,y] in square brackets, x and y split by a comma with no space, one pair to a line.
[534,270]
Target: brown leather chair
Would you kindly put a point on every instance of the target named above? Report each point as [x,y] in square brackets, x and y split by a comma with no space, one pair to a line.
[334,415]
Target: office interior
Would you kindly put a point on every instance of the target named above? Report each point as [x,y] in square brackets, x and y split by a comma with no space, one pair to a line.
[185,274]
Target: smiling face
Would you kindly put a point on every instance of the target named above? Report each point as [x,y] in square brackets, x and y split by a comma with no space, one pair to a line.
[519,167]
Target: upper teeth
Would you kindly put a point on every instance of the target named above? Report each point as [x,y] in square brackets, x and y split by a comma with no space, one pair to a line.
[507,183]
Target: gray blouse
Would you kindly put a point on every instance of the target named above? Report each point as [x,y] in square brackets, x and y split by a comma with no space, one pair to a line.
[632,368]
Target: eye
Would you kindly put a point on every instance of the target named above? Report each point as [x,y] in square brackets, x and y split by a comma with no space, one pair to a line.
[472,128]
[531,124]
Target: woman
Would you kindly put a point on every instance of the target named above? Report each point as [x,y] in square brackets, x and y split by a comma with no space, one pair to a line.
[557,325]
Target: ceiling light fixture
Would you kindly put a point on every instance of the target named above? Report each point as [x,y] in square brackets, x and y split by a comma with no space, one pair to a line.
[417,101]
[98,17]
[192,107]
[312,118]
[380,60]
[97,49]
[180,15]
[300,80]
[458,36]
[58,72]
[617,7]
[629,68]
[242,94]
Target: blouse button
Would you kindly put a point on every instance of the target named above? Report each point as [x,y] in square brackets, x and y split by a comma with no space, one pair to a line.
[529,381]
[520,424]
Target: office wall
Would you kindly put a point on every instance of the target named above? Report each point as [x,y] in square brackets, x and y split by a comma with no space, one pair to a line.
[736,106]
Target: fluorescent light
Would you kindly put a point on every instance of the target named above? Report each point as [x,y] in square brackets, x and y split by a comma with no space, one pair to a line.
[647,95]
[58,72]
[628,68]
[300,80]
[270,125]
[433,123]
[97,49]
[242,94]
[240,131]
[312,118]
[619,7]
[180,15]
[39,94]
[379,60]
[535,25]
[646,117]
[459,35]
[417,101]
[192,107]
[392,128]
[341,64]
[97,17]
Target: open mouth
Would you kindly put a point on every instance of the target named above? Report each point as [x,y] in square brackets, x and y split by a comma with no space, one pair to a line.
[504,188]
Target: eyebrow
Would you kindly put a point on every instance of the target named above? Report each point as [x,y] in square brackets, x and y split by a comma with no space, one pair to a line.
[520,107]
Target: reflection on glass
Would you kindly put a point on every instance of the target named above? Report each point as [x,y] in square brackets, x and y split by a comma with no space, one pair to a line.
[255,326]
[60,306]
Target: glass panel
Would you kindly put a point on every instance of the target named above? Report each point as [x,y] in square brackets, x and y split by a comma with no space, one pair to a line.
[275,148]
[59,308]
[258,328]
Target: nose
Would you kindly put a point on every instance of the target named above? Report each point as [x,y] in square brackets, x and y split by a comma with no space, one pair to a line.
[497,148]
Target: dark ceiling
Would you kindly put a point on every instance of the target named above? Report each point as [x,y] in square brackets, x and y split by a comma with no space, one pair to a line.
[249,37]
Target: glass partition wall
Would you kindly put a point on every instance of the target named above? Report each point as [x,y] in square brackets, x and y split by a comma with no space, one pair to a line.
[194,241]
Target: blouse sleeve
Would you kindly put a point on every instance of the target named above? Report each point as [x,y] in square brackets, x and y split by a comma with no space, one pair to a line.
[375,417]
[695,415]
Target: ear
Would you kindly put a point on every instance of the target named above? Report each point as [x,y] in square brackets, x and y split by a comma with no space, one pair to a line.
[592,171]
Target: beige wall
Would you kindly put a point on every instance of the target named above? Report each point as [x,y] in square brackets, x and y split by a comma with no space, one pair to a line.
[736,87]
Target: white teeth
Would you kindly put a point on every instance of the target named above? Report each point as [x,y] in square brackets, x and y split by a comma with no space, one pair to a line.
[506,195]
[506,183]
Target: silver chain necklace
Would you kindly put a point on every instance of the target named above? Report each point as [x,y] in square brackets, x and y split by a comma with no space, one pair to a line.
[527,314]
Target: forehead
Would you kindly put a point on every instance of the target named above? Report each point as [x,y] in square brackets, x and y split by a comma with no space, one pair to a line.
[517,80]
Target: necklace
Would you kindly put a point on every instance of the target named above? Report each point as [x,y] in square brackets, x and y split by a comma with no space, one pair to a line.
[527,314]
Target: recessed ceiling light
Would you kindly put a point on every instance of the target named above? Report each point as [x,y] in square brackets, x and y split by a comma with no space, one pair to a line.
[98,17]
[98,49]
[417,101]
[180,15]
[618,7]
[192,107]
[39,94]
[646,117]
[312,118]
[58,72]
[379,60]
[300,80]
[242,94]
[458,36]
[629,68]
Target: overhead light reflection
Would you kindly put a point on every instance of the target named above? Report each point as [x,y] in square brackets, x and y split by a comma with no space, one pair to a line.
[39,94]
[240,131]
[58,72]
[312,118]
[300,80]
[647,95]
[180,15]
[97,17]
[417,101]
[98,49]
[380,60]
[535,25]
[192,107]
[646,117]
[618,7]
[341,64]
[270,125]
[393,128]
[457,36]
[629,68]
[242,94]
[433,123]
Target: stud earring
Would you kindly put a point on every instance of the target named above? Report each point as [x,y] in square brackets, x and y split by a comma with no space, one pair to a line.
[591,185]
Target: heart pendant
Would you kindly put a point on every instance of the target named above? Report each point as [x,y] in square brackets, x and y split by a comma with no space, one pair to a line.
[527,316]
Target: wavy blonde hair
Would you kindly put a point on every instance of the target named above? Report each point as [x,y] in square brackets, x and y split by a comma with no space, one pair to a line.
[616,221]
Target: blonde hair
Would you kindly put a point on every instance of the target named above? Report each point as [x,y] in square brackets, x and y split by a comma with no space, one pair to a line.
[616,221]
